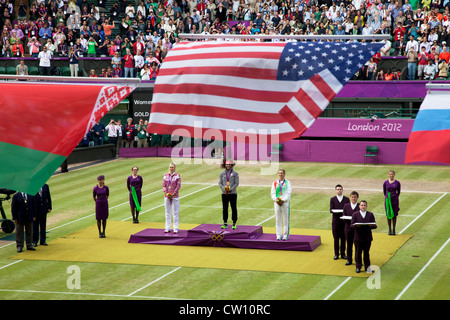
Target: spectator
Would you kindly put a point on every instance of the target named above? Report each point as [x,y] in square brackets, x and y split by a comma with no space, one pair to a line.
[443,70]
[17,49]
[92,74]
[412,63]
[73,62]
[429,71]
[423,58]
[139,62]
[22,69]
[412,43]
[91,45]
[129,64]
[44,61]
[444,55]
[388,76]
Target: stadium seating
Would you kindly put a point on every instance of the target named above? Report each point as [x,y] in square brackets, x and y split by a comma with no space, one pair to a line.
[33,71]
[11,70]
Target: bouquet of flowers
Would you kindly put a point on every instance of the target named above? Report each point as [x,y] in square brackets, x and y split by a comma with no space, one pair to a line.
[227,189]
[279,201]
[169,195]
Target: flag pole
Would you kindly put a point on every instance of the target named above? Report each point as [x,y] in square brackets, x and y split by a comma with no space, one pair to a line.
[192,36]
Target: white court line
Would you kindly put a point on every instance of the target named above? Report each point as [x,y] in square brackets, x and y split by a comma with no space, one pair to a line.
[423,213]
[422,270]
[158,206]
[296,210]
[89,294]
[324,188]
[338,287]
[154,281]
[10,264]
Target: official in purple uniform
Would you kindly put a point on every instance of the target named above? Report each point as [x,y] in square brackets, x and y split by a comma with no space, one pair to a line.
[135,181]
[363,222]
[349,210]
[391,188]
[337,204]
[100,195]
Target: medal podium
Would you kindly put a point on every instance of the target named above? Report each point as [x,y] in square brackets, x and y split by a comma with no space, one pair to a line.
[211,235]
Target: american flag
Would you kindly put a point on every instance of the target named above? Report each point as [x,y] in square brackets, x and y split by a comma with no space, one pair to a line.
[251,89]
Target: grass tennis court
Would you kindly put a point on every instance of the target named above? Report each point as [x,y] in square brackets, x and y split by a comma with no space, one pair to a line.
[417,270]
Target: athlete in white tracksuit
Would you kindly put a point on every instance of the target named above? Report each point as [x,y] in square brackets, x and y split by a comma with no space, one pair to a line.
[281,195]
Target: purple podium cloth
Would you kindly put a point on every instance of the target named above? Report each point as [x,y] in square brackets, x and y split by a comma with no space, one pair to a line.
[211,235]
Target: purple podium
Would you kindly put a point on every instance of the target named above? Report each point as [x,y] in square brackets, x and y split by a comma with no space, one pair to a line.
[211,235]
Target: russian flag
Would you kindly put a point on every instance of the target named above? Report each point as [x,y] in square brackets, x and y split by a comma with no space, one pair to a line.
[430,135]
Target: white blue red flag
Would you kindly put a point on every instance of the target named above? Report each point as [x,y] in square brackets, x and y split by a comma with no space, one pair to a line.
[251,88]
[430,136]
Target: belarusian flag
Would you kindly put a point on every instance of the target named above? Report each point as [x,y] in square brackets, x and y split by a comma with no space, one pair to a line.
[41,124]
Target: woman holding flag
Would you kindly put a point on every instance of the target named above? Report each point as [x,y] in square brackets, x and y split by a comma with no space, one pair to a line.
[134,185]
[391,191]
[281,195]
[171,184]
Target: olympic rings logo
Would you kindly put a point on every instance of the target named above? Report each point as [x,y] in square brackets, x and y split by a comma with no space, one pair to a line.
[216,237]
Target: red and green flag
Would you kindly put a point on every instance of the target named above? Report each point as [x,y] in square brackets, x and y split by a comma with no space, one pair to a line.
[41,124]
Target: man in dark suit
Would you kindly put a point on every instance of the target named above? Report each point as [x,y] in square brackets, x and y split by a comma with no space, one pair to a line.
[23,210]
[363,222]
[44,206]
[337,204]
[347,214]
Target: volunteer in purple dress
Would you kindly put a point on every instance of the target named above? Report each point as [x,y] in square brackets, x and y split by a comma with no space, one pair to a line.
[135,181]
[101,194]
[347,214]
[337,204]
[391,188]
[363,222]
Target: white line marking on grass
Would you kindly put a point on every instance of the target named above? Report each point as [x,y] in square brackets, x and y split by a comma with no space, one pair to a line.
[422,270]
[265,220]
[271,209]
[158,206]
[89,294]
[338,287]
[154,281]
[321,188]
[10,264]
[423,212]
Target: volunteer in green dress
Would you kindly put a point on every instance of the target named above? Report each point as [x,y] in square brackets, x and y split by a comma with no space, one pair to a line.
[281,195]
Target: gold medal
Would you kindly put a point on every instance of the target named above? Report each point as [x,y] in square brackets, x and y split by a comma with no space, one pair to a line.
[228,183]
[281,193]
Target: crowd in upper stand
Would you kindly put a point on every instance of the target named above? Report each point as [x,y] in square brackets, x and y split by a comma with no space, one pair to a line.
[137,35]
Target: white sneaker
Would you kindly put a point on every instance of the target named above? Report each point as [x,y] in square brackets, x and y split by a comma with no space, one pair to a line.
[175,231]
[278,238]
[368,270]
[285,238]
[166,231]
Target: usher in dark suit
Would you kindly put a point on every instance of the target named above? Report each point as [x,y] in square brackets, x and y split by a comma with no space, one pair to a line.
[23,210]
[363,237]
[44,206]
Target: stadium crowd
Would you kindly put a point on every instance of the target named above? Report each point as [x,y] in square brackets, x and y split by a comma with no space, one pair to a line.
[137,35]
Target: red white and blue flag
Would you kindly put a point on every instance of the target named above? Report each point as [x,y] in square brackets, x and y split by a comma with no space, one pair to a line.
[430,136]
[251,88]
